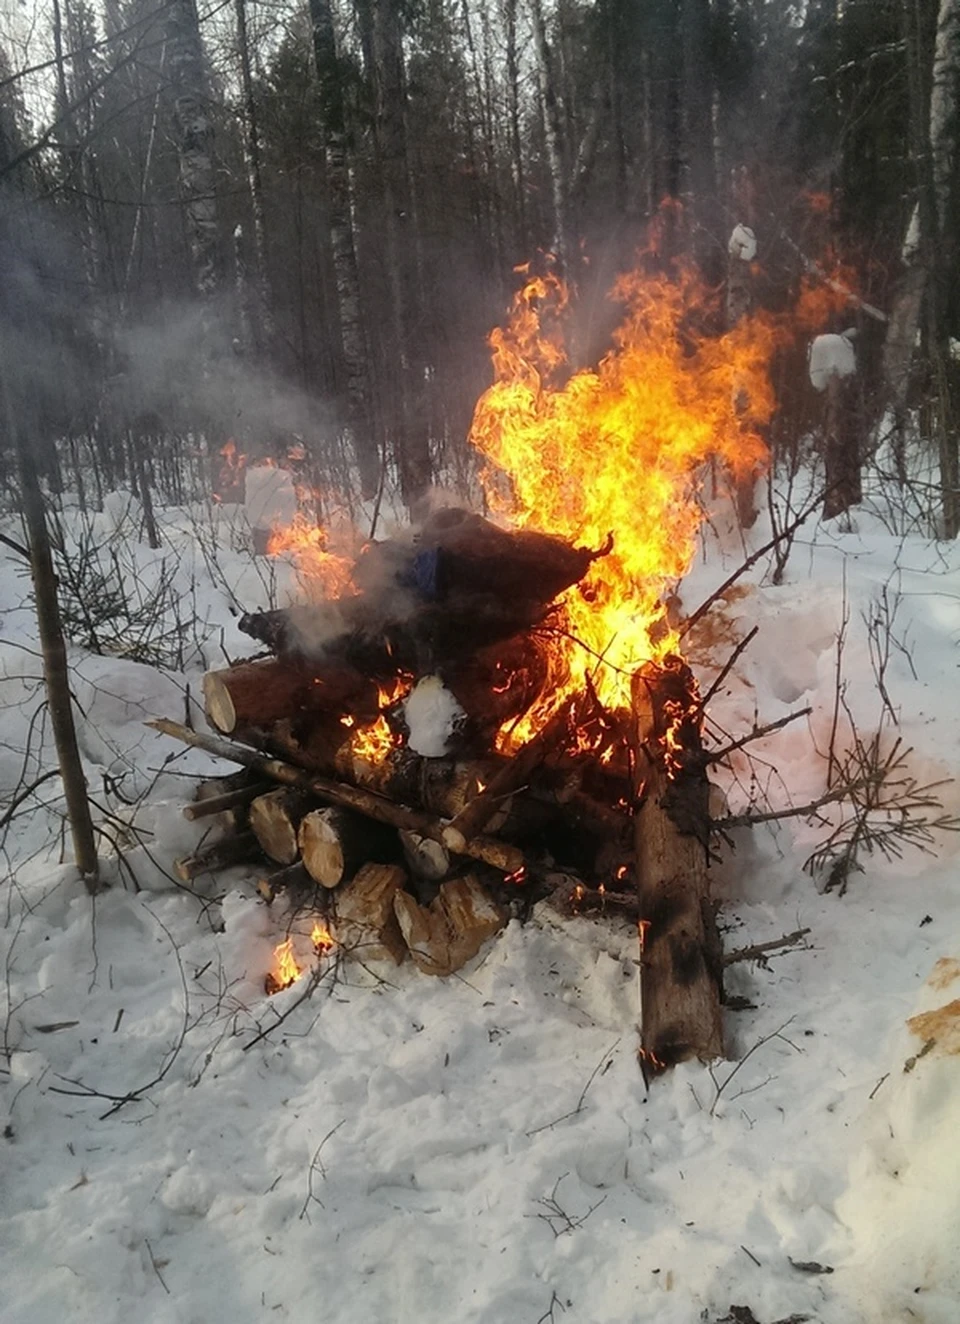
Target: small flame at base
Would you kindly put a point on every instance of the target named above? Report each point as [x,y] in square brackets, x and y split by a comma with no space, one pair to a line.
[286,969]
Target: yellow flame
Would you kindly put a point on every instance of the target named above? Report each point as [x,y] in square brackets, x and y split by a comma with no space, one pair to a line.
[285,969]
[620,449]
[321,937]
[324,574]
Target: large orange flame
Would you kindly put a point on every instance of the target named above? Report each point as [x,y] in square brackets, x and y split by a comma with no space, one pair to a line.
[619,450]
[323,573]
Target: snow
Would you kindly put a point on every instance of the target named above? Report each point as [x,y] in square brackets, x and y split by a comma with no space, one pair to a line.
[270,497]
[742,243]
[482,1148]
[831,356]
[432,715]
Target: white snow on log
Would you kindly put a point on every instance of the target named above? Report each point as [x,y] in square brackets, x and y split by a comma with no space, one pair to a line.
[270,497]
[831,356]
[432,715]
[742,243]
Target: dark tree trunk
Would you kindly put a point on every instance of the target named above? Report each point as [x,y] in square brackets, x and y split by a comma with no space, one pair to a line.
[56,675]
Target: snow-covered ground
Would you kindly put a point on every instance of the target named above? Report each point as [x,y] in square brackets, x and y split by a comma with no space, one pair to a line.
[481,1149]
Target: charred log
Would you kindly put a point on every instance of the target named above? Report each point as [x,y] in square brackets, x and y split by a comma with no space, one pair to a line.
[681,976]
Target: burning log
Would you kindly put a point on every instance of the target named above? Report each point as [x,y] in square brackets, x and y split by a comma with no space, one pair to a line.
[365,924]
[335,842]
[496,685]
[257,694]
[443,936]
[275,819]
[681,956]
[460,585]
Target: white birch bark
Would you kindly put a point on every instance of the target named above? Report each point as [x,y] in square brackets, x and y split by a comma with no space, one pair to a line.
[944,107]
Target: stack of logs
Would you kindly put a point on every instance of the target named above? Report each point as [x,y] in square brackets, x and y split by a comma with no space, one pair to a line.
[402,852]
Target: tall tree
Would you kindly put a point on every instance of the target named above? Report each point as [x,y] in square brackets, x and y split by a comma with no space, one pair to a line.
[353,339]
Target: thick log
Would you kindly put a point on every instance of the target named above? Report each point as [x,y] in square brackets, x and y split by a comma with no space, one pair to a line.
[443,936]
[681,957]
[261,693]
[274,820]
[335,842]
[457,553]
[488,849]
[475,815]
[221,855]
[427,858]
[365,923]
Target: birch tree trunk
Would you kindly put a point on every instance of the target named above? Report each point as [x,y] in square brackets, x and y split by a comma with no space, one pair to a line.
[195,137]
[944,134]
[410,444]
[353,342]
[513,116]
[553,137]
[265,329]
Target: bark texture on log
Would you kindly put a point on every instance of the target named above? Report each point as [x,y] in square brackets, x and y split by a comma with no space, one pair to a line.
[231,850]
[258,694]
[293,879]
[681,964]
[229,803]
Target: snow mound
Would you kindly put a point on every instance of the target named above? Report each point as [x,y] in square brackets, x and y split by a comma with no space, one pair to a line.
[831,356]
[433,715]
[902,1206]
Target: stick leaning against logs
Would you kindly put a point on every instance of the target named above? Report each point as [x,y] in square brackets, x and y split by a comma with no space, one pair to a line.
[408,847]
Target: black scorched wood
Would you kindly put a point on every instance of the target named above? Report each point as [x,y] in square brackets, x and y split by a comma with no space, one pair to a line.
[456,586]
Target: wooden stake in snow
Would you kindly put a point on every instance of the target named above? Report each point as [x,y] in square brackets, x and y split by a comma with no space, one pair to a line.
[681,960]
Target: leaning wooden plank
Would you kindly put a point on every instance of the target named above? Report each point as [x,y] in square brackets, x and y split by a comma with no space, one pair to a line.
[681,957]
[496,853]
[365,924]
